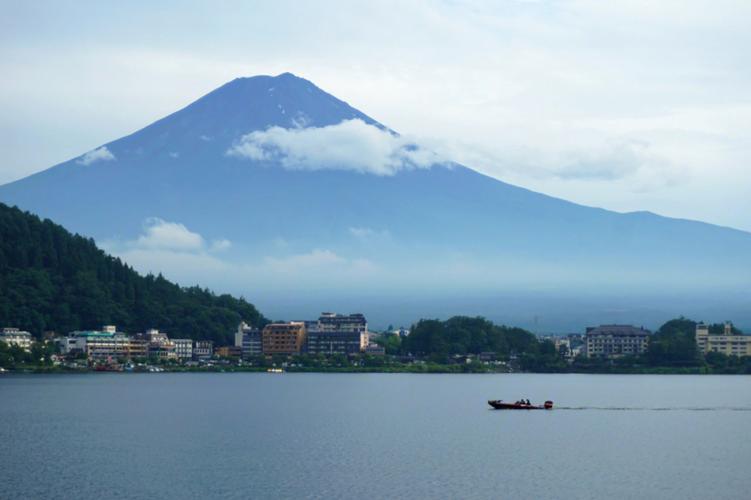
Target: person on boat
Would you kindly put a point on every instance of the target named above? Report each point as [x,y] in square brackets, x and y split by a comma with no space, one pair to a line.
[528,403]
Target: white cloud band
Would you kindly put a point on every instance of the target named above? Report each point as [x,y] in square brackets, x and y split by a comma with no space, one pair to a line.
[350,145]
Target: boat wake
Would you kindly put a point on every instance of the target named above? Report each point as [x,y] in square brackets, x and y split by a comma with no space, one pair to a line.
[655,408]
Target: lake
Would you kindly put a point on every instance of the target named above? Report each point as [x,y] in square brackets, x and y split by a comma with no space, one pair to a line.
[258,435]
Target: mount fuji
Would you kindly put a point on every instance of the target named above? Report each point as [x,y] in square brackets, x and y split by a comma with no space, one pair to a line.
[274,189]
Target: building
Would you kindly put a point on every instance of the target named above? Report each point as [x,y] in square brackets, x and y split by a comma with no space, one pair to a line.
[335,342]
[249,339]
[154,336]
[183,348]
[375,350]
[104,344]
[332,322]
[338,334]
[612,341]
[727,343]
[164,351]
[14,336]
[159,345]
[283,338]
[203,349]
[401,332]
[229,351]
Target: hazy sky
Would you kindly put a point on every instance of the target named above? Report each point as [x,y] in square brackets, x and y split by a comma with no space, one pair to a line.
[626,105]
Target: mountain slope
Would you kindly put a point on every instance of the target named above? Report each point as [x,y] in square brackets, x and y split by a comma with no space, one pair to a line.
[292,228]
[53,280]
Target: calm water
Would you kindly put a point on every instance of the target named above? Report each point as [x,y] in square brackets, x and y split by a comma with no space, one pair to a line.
[372,436]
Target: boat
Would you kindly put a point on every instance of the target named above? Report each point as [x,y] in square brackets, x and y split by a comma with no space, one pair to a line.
[499,404]
[275,370]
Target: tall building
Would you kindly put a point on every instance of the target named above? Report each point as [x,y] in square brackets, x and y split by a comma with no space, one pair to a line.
[14,336]
[727,343]
[612,341]
[249,339]
[283,338]
[338,334]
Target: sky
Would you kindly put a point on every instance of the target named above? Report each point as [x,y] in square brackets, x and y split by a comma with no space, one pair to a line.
[626,105]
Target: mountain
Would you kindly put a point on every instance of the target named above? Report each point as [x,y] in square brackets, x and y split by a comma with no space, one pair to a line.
[271,187]
[51,279]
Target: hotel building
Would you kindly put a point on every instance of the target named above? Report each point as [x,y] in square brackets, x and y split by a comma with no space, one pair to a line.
[14,336]
[106,343]
[612,341]
[727,343]
[338,334]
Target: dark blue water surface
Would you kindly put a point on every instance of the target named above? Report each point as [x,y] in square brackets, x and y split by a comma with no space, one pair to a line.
[373,436]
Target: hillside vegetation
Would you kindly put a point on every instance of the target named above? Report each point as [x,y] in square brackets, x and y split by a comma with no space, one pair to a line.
[51,279]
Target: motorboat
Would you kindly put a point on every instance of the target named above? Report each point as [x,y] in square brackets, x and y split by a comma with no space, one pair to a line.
[499,404]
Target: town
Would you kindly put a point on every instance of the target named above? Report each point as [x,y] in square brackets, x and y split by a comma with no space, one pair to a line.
[335,341]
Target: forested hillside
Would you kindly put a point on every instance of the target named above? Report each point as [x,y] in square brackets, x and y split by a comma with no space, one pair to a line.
[51,279]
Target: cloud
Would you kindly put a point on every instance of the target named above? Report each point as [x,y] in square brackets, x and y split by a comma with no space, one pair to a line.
[350,145]
[368,234]
[161,234]
[99,154]
[615,161]
[632,161]
[314,265]
[220,245]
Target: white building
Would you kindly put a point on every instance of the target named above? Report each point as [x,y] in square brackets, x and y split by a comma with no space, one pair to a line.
[14,336]
[183,348]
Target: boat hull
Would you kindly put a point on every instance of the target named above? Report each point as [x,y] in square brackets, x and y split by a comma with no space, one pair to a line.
[501,405]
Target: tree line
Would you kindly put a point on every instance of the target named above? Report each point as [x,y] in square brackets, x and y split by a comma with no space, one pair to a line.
[672,348]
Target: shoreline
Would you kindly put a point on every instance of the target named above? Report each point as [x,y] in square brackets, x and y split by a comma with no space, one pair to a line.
[437,370]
